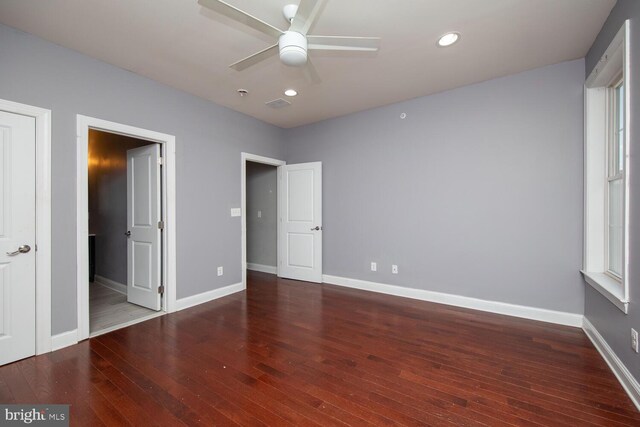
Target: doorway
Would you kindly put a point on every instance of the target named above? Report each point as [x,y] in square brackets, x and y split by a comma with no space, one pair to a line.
[298,218]
[126,225]
[259,170]
[113,159]
[262,217]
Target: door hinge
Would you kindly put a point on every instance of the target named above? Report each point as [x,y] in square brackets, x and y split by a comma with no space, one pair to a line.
[161,289]
[161,161]
[161,225]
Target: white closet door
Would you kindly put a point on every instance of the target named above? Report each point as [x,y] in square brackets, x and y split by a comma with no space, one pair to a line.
[17,237]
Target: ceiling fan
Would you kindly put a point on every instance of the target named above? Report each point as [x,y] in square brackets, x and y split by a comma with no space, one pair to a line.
[294,43]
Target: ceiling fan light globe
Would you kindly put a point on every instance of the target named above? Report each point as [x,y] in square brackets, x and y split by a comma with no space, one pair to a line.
[293,49]
[293,56]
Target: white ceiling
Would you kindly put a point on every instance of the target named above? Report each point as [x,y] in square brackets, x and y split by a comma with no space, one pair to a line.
[181,44]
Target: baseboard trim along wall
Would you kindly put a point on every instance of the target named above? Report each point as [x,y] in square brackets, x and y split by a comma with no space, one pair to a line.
[628,382]
[262,268]
[533,313]
[111,284]
[64,339]
[193,300]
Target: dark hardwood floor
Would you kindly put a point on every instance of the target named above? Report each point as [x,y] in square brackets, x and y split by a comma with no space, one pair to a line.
[293,353]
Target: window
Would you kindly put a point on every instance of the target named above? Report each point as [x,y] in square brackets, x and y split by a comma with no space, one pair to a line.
[615,179]
[606,183]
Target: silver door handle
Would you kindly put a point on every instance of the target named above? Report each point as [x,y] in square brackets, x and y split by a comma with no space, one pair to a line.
[316,228]
[21,250]
[127,233]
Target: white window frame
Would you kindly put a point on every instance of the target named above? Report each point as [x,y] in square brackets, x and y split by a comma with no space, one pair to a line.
[612,68]
[611,162]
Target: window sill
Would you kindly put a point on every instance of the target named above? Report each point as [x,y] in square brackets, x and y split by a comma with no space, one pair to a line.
[608,287]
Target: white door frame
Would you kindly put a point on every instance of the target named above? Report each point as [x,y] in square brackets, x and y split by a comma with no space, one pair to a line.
[168,143]
[244,158]
[43,218]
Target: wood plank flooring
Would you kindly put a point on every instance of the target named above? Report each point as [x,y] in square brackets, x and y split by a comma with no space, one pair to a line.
[108,308]
[300,354]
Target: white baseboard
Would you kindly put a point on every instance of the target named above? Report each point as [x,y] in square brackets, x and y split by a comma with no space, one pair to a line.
[187,302]
[533,313]
[628,382]
[263,268]
[111,284]
[64,339]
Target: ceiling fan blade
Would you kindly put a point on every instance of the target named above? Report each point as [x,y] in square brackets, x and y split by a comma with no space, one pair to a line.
[255,58]
[306,15]
[240,16]
[369,44]
[310,72]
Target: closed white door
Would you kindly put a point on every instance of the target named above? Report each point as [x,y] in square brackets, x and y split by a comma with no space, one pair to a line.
[17,237]
[143,226]
[300,231]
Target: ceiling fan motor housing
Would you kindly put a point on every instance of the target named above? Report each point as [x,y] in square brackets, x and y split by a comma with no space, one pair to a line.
[293,48]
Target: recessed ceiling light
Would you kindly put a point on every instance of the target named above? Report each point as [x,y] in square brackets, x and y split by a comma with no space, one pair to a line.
[243,92]
[448,39]
[290,92]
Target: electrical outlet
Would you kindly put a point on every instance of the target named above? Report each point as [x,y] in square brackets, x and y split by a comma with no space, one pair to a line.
[634,340]
[374,266]
[259,214]
[220,271]
[394,269]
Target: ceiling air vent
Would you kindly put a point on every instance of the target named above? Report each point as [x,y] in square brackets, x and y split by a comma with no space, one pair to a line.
[277,103]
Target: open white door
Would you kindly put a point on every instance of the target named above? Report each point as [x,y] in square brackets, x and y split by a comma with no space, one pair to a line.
[144,227]
[17,237]
[300,231]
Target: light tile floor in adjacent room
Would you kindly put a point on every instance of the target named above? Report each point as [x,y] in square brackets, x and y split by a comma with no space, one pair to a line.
[108,308]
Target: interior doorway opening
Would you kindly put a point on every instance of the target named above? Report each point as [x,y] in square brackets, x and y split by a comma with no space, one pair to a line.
[259,213]
[298,199]
[110,188]
[262,217]
[150,230]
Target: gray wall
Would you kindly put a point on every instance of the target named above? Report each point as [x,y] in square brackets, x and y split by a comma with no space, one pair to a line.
[209,139]
[478,192]
[108,201]
[262,235]
[612,323]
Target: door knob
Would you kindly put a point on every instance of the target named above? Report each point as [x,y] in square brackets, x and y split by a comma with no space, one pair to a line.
[127,233]
[21,250]
[316,228]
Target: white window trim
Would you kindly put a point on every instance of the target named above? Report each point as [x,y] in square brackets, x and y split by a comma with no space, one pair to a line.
[595,169]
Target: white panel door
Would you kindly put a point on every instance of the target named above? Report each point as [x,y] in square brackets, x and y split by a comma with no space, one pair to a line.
[17,237]
[300,231]
[143,231]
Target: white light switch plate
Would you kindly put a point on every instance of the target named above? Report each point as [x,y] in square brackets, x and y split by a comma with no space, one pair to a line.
[236,212]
